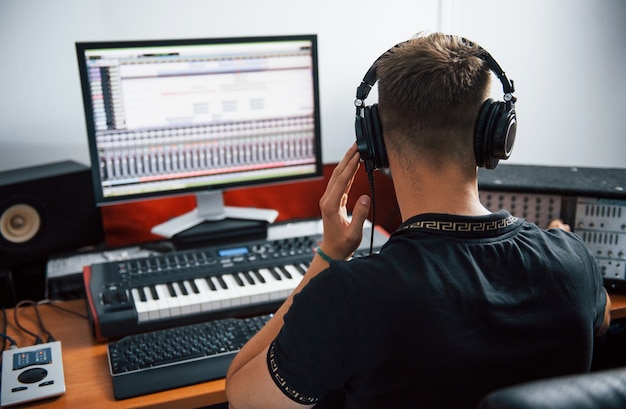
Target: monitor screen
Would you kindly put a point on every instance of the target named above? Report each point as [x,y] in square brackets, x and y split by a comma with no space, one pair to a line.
[199,115]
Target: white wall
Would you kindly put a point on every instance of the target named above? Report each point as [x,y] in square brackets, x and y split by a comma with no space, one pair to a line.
[566,57]
[568,60]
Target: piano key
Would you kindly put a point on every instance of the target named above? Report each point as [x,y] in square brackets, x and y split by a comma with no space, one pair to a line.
[142,294]
[207,301]
[293,269]
[170,289]
[221,281]
[217,292]
[261,293]
[247,276]
[238,294]
[251,294]
[184,302]
[255,293]
[153,292]
[302,267]
[194,300]
[194,287]
[217,298]
[182,288]
[259,276]
[273,272]
[238,279]
[163,303]
[140,305]
[172,299]
[151,304]
[211,284]
[282,287]
[285,272]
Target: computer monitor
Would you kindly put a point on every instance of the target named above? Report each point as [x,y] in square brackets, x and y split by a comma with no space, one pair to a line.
[200,116]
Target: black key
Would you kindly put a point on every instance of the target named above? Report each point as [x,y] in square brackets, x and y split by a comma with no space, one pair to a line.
[238,279]
[258,276]
[172,291]
[211,284]
[275,274]
[183,288]
[142,294]
[194,287]
[300,268]
[248,277]
[285,272]
[153,291]
[221,282]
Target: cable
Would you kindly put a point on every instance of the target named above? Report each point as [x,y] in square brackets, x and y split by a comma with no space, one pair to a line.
[12,342]
[370,178]
[52,304]
[6,338]
[38,339]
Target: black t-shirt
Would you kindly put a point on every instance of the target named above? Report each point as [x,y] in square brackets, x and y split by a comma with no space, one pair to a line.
[452,308]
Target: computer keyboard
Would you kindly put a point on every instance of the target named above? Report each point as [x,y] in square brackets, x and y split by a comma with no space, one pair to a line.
[174,357]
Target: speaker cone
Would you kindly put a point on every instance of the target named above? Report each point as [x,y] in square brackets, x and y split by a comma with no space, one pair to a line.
[19,223]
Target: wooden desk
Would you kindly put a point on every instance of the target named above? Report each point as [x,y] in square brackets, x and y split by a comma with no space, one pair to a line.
[618,305]
[87,380]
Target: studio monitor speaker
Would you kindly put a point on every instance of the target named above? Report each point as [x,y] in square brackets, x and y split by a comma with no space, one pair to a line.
[44,210]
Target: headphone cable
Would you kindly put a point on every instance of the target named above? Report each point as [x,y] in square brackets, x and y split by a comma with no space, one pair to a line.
[370,178]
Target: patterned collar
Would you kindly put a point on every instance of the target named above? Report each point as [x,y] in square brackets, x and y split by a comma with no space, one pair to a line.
[465,224]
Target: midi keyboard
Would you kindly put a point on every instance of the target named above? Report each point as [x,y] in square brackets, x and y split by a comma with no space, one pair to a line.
[190,286]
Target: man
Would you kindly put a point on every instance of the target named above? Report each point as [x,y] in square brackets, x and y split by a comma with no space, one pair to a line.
[459,301]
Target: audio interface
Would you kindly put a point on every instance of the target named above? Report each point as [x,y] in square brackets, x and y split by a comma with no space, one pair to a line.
[32,373]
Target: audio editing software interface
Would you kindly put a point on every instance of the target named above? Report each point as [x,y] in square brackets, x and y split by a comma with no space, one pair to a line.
[177,116]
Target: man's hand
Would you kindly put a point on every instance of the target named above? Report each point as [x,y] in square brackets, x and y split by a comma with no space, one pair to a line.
[558,223]
[341,235]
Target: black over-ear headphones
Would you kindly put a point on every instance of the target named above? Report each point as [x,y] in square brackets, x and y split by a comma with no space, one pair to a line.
[494,134]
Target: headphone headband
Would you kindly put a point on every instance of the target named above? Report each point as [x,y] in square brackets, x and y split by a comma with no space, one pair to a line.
[371,76]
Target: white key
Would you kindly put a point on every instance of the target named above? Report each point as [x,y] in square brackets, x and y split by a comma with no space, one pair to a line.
[208,302]
[296,274]
[183,300]
[260,292]
[194,299]
[140,306]
[174,301]
[270,286]
[280,288]
[163,303]
[219,298]
[152,304]
[249,292]
[237,293]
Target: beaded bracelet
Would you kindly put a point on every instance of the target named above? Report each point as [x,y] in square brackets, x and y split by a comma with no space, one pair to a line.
[324,256]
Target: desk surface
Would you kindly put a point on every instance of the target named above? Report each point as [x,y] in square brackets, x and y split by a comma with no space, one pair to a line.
[87,379]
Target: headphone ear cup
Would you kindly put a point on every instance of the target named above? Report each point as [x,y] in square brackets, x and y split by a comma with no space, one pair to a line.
[377,143]
[494,135]
[481,133]
[504,132]
[363,140]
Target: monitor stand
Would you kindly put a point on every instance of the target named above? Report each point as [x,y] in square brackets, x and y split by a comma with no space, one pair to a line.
[210,208]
